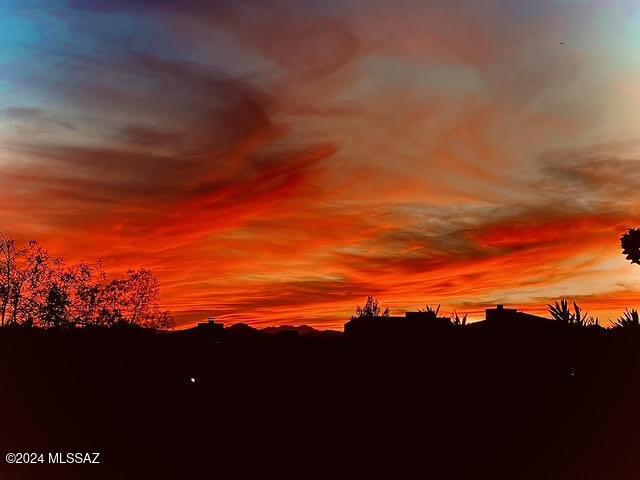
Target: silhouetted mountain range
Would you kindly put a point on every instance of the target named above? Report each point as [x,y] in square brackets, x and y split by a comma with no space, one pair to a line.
[301,329]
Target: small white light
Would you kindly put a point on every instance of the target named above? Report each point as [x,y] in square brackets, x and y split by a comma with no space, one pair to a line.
[193,380]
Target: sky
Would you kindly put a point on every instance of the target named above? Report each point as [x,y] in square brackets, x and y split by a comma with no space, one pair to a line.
[276,162]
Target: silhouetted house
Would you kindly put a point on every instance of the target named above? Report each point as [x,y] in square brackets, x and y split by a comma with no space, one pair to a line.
[412,325]
[429,317]
[500,316]
[209,330]
[210,327]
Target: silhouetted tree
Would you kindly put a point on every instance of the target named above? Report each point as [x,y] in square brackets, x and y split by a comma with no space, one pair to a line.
[141,290]
[86,296]
[132,301]
[630,243]
[112,303]
[37,289]
[30,282]
[9,254]
[371,309]
[55,310]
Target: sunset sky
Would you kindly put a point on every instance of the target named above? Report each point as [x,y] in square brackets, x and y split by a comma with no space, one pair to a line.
[276,161]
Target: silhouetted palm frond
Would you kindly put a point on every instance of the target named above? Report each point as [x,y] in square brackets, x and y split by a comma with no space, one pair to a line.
[629,319]
[561,312]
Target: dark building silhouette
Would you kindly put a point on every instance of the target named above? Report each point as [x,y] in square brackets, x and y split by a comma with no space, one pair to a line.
[499,315]
[210,327]
[511,321]
[409,326]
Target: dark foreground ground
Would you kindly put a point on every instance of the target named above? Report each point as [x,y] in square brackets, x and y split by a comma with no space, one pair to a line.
[468,403]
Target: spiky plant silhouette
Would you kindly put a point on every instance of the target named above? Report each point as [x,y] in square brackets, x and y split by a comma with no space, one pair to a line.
[456,321]
[430,310]
[561,312]
[630,319]
[630,243]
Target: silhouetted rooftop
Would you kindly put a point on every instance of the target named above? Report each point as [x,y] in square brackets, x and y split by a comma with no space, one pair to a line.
[409,325]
